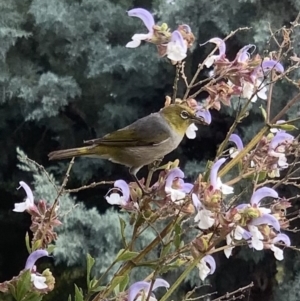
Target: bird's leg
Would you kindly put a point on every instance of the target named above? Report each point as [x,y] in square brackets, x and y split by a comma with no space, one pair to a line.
[152,168]
[133,172]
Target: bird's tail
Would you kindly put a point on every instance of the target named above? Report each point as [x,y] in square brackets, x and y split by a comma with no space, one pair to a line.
[71,152]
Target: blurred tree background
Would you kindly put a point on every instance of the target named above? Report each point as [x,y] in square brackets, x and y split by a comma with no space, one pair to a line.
[66,76]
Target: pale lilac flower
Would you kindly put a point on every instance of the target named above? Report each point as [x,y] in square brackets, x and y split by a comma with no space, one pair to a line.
[204,113]
[29,201]
[256,239]
[266,219]
[238,233]
[215,181]
[268,65]
[38,280]
[191,131]
[148,20]
[239,145]
[222,49]
[243,55]
[278,253]
[175,194]
[280,138]
[261,193]
[117,199]
[253,91]
[204,217]
[135,289]
[206,266]
[177,47]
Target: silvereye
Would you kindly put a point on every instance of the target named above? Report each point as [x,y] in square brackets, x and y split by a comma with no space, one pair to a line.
[141,143]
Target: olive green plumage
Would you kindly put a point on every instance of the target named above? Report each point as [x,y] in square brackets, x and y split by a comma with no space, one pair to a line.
[146,140]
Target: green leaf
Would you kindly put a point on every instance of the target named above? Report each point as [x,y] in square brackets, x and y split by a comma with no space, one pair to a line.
[37,245]
[69,298]
[33,296]
[165,250]
[27,243]
[125,256]
[78,293]
[116,281]
[50,248]
[98,289]
[123,226]
[23,285]
[12,290]
[123,284]
[90,261]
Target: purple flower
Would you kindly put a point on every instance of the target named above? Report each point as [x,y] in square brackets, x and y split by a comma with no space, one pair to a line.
[215,181]
[278,253]
[272,65]
[206,266]
[177,47]
[243,55]
[237,141]
[204,113]
[148,20]
[266,219]
[117,199]
[222,49]
[33,257]
[176,194]
[144,286]
[280,138]
[29,201]
[38,281]
[261,193]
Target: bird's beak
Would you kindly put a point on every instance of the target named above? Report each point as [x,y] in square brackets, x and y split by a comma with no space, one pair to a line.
[199,120]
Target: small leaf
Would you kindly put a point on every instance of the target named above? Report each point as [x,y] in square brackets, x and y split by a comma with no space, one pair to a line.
[50,249]
[165,250]
[98,289]
[27,243]
[125,256]
[123,226]
[285,127]
[263,112]
[90,261]
[37,245]
[177,238]
[69,298]
[78,293]
[116,281]
[33,296]
[123,284]
[23,285]
[12,290]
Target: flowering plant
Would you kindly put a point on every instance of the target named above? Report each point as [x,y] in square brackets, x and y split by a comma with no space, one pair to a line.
[223,220]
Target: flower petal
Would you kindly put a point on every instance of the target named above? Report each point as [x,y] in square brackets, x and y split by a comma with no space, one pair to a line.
[280,137]
[267,219]
[135,288]
[278,253]
[39,281]
[144,15]
[205,114]
[237,141]
[121,184]
[173,173]
[191,131]
[33,257]
[196,201]
[211,261]
[176,48]
[243,55]
[20,207]
[28,191]
[214,173]
[282,237]
[271,64]
[261,193]
[114,199]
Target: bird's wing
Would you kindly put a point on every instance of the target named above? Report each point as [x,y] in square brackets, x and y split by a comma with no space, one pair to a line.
[149,130]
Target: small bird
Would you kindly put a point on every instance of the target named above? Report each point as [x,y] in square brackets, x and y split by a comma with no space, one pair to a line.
[141,143]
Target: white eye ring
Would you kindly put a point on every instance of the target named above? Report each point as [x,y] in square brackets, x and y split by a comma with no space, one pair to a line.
[184,115]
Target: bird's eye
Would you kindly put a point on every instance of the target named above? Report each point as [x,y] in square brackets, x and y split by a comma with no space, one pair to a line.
[184,115]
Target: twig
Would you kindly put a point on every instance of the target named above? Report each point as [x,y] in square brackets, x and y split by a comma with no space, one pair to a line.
[92,185]
[240,290]
[176,79]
